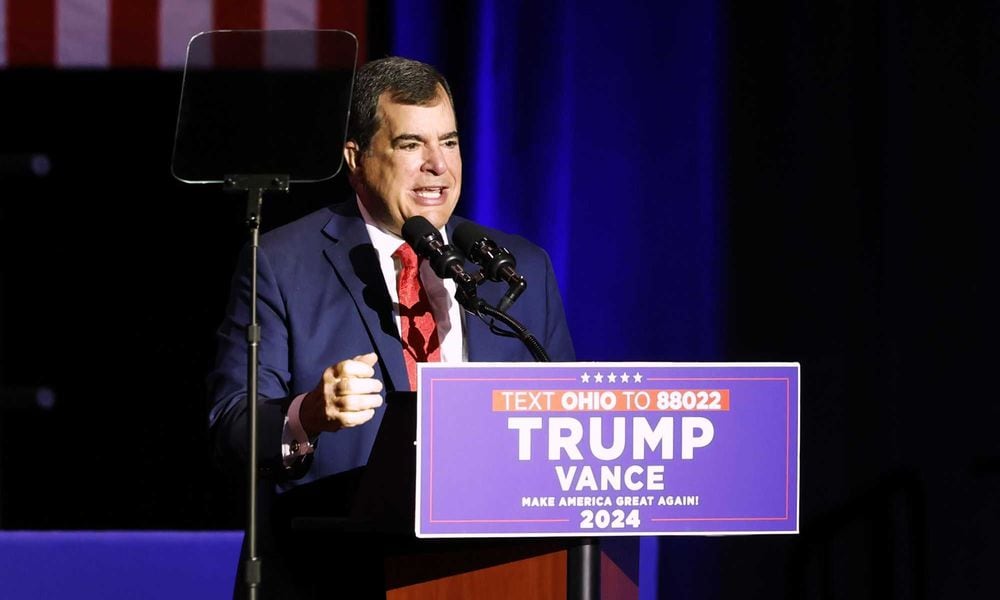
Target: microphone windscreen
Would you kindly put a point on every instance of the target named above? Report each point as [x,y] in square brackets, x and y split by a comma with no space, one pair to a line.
[467,234]
[416,231]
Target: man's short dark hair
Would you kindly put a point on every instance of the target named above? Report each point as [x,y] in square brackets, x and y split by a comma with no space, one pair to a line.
[407,82]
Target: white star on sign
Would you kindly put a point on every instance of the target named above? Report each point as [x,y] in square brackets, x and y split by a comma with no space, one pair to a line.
[585,378]
[599,378]
[624,377]
[612,378]
[637,378]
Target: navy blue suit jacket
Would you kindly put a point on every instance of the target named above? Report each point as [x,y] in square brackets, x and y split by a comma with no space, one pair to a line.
[322,299]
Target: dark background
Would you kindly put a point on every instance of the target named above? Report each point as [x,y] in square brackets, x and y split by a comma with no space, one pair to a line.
[857,183]
[862,191]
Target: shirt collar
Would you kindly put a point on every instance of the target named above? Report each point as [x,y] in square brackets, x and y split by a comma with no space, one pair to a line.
[386,243]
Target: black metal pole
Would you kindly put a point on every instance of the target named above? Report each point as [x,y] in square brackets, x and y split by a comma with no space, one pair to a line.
[254,186]
[583,570]
[253,563]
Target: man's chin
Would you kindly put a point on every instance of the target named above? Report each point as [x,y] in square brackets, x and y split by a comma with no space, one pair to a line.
[438,215]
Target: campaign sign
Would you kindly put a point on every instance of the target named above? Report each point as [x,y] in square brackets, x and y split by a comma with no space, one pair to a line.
[590,449]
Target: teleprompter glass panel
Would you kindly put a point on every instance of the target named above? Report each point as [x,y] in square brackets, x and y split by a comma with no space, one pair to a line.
[264,102]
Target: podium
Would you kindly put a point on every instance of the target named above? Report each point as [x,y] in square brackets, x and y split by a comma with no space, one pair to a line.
[522,464]
[370,512]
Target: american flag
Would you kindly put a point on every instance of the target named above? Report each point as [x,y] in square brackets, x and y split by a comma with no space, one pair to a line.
[97,34]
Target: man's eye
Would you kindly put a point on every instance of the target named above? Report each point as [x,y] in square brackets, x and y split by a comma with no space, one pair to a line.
[408,146]
[450,144]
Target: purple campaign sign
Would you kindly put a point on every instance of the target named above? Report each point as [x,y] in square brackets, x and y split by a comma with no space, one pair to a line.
[589,449]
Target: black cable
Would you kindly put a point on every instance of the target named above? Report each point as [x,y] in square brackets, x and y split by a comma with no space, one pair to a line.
[534,346]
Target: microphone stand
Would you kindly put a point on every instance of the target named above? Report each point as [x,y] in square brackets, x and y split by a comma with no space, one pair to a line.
[583,561]
[254,186]
[529,340]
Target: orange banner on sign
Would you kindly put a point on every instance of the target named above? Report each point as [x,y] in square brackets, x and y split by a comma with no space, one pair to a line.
[609,400]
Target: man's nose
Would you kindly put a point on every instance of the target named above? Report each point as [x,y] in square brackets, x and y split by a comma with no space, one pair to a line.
[434,161]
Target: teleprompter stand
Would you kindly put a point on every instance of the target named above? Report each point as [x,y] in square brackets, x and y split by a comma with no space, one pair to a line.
[255,127]
[254,186]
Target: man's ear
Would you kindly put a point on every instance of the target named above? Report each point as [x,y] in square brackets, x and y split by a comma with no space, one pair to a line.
[351,154]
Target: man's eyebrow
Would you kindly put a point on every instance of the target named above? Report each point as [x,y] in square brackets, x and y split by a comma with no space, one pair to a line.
[407,137]
[413,137]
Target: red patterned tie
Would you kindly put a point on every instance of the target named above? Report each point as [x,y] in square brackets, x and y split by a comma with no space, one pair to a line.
[419,329]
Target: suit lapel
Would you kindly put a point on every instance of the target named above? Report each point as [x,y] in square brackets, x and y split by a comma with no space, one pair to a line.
[354,259]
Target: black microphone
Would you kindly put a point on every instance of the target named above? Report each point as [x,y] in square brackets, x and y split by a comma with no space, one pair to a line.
[497,262]
[446,261]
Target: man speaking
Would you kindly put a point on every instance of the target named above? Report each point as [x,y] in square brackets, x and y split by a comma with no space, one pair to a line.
[347,310]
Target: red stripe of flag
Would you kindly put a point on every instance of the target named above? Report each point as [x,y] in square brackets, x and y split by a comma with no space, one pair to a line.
[351,15]
[243,51]
[135,33]
[31,33]
[238,14]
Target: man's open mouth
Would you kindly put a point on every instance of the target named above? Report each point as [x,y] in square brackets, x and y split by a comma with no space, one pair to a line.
[429,193]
